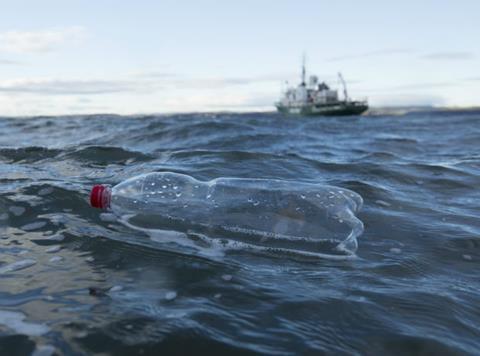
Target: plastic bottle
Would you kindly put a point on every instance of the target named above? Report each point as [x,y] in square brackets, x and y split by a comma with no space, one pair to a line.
[272,215]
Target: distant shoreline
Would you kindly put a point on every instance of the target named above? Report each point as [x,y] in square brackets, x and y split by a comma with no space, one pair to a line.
[402,110]
[373,111]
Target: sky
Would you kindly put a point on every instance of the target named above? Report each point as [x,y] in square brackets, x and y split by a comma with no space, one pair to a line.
[133,57]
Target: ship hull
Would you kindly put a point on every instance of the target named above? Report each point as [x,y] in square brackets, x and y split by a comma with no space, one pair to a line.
[342,109]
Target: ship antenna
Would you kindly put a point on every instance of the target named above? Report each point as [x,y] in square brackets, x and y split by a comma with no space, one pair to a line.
[345,94]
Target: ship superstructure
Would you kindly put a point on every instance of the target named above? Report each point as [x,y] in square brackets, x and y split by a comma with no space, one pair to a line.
[317,98]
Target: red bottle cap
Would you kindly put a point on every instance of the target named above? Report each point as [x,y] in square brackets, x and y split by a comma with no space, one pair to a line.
[100,197]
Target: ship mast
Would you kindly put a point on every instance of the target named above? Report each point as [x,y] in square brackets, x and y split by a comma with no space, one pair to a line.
[303,70]
[345,94]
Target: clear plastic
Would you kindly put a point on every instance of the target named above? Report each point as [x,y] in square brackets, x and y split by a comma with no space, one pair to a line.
[271,215]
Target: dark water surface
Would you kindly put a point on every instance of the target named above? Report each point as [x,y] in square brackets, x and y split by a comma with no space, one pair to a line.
[75,281]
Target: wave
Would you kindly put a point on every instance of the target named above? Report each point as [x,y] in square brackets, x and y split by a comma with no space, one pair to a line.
[27,154]
[105,155]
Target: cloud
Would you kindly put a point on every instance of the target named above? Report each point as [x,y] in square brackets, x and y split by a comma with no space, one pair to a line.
[179,79]
[209,83]
[206,101]
[414,86]
[66,87]
[155,75]
[257,101]
[9,62]
[53,86]
[381,52]
[408,100]
[219,83]
[449,56]
[445,56]
[39,41]
[88,109]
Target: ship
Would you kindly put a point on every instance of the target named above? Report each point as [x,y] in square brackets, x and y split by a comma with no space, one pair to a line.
[317,98]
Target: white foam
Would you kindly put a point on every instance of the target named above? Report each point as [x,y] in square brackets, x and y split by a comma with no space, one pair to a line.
[166,235]
[15,321]
[238,245]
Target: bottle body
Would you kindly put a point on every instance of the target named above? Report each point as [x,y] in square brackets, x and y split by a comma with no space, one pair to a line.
[269,213]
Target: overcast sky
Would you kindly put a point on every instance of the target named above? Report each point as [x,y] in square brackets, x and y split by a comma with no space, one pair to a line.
[71,57]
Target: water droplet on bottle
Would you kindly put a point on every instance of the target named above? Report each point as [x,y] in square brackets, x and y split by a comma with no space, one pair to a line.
[255,203]
[302,196]
[209,196]
[175,187]
[178,195]
[164,186]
